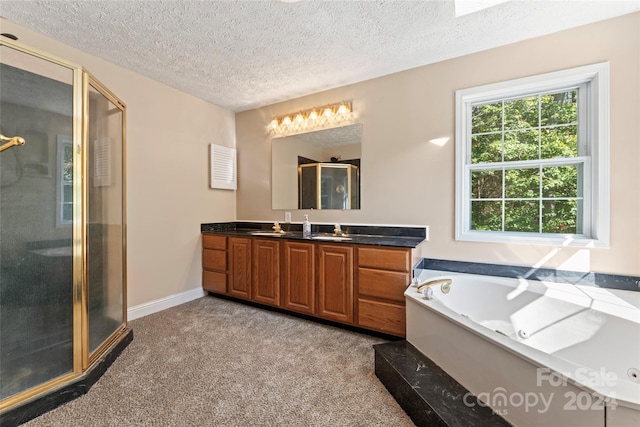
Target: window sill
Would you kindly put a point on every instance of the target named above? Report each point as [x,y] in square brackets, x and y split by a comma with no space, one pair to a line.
[568,240]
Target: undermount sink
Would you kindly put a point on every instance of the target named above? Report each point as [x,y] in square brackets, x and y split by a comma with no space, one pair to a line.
[267,233]
[331,238]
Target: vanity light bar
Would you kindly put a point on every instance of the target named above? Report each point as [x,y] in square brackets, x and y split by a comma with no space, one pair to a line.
[312,119]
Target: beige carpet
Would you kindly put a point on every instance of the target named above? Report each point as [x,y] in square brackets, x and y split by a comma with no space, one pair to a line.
[213,362]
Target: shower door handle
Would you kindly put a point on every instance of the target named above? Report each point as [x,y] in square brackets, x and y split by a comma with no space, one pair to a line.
[10,142]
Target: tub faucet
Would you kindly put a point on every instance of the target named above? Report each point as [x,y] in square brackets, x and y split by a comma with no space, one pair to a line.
[426,289]
[434,282]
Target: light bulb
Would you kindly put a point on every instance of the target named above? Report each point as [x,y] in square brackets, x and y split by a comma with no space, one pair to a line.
[313,115]
[327,112]
[286,121]
[273,125]
[299,119]
[343,109]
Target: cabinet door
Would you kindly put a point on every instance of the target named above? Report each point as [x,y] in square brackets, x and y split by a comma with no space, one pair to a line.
[266,273]
[298,280]
[335,282]
[240,267]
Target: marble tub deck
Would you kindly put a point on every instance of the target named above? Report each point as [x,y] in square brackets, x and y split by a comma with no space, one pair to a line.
[427,393]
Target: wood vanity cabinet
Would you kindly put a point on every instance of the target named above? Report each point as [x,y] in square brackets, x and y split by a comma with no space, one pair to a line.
[239,267]
[382,277]
[214,263]
[335,282]
[266,272]
[298,277]
[358,285]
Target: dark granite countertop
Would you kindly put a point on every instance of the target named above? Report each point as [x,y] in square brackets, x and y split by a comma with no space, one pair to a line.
[394,236]
[582,278]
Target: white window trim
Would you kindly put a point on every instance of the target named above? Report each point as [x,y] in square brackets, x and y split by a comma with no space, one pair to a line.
[597,202]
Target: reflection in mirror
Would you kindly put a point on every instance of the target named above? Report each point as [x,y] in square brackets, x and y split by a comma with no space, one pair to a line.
[64,181]
[317,170]
[328,185]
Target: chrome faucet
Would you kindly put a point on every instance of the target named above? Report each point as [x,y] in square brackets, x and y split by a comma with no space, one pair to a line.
[337,231]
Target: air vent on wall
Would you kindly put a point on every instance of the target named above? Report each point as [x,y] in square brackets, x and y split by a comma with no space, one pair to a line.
[223,167]
[102,162]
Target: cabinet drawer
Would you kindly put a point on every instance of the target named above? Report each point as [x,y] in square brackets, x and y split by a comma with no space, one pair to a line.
[214,281]
[389,285]
[385,259]
[381,316]
[214,259]
[211,241]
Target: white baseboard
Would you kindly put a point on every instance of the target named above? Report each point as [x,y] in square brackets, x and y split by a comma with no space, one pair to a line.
[163,303]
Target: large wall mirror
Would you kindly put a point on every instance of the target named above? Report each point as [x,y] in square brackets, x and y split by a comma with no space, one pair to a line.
[317,170]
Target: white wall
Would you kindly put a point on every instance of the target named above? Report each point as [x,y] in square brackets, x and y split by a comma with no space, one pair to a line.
[168,194]
[407,180]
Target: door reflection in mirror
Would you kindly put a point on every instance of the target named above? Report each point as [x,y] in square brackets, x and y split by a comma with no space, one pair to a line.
[337,151]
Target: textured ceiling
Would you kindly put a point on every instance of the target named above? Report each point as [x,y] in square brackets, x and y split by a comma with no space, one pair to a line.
[247,54]
[342,135]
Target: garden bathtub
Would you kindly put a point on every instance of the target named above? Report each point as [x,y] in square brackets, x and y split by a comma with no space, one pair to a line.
[537,353]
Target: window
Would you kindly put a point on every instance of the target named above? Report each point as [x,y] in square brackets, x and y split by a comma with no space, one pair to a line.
[64,182]
[532,159]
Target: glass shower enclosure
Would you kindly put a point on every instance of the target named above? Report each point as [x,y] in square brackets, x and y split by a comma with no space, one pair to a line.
[328,186]
[62,222]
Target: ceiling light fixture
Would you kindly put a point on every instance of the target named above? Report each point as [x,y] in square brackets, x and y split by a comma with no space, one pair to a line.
[316,118]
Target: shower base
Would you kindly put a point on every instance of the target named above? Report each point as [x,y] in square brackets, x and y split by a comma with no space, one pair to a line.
[55,398]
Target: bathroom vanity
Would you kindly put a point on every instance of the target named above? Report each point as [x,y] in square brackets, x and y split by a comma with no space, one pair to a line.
[357,280]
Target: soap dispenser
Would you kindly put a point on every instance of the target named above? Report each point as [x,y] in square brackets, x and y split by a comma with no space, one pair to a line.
[306,227]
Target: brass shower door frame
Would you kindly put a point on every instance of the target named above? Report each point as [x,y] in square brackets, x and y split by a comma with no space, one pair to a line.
[82,360]
[319,166]
[89,80]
